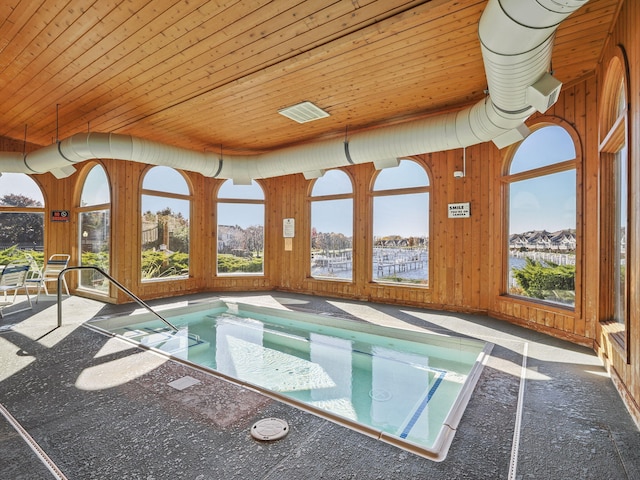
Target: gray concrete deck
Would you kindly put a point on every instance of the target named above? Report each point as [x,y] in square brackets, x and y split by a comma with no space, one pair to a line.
[100,408]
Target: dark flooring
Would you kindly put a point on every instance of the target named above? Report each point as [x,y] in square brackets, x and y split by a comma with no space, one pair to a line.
[99,408]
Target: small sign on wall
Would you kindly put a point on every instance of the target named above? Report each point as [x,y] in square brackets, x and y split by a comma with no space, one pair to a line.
[459,210]
[59,215]
[288,228]
[288,232]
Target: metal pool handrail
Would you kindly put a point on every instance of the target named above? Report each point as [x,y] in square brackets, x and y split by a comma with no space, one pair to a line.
[116,283]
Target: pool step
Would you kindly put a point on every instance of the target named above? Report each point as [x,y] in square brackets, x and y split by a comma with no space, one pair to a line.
[167,340]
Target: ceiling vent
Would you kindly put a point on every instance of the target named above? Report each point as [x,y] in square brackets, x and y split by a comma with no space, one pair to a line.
[303,112]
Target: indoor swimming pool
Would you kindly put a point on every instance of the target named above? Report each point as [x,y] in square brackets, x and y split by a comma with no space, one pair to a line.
[404,387]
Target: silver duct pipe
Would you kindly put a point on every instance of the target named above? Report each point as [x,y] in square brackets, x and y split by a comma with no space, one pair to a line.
[516,38]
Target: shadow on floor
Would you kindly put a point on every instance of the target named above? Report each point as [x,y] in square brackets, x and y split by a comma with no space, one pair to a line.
[100,408]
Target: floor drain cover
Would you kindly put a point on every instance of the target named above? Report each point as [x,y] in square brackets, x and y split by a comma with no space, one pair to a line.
[269,429]
[184,382]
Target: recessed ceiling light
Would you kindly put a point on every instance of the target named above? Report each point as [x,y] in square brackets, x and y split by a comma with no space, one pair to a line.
[303,112]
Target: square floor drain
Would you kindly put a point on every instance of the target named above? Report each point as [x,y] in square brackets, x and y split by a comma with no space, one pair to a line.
[182,383]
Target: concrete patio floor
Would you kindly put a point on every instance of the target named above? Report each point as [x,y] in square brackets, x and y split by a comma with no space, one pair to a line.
[100,408]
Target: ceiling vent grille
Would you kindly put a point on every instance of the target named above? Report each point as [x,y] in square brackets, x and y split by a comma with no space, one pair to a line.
[303,112]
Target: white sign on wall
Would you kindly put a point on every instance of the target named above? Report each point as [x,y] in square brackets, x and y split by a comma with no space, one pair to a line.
[459,210]
[288,228]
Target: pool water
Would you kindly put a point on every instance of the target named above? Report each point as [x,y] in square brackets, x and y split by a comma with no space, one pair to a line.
[408,388]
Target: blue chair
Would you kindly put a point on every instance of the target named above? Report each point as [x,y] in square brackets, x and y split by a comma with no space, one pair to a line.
[12,280]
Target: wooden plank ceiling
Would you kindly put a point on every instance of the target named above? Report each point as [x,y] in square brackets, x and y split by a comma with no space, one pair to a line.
[212,74]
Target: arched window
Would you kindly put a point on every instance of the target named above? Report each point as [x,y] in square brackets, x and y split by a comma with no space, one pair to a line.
[614,216]
[166,208]
[332,226]
[541,218]
[401,209]
[94,228]
[240,230]
[21,217]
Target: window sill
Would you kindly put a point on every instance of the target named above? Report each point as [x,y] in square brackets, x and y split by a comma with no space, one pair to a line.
[94,295]
[400,284]
[164,279]
[539,303]
[331,279]
[240,274]
[617,336]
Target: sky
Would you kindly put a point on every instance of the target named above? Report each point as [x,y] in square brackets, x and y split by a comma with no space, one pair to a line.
[96,188]
[20,184]
[405,215]
[536,204]
[549,202]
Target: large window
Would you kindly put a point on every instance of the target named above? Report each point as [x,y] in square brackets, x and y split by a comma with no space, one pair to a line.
[94,229]
[401,225]
[615,201]
[21,217]
[619,234]
[332,226]
[240,215]
[166,207]
[542,202]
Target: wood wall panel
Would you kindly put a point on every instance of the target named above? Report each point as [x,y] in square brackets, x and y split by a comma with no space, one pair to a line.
[466,265]
[625,365]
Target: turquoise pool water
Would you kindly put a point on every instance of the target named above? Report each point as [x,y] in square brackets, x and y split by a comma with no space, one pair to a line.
[405,387]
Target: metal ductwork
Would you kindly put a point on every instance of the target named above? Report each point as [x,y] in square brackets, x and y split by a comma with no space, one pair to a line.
[516,38]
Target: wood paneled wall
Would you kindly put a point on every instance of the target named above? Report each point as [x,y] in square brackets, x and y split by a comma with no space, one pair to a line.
[466,265]
[467,253]
[624,363]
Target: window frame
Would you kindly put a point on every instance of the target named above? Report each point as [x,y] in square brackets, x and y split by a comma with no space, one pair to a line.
[327,198]
[614,131]
[80,209]
[240,201]
[38,210]
[398,191]
[170,195]
[507,179]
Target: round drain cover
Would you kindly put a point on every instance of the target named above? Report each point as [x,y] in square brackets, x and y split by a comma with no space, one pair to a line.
[380,395]
[269,429]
